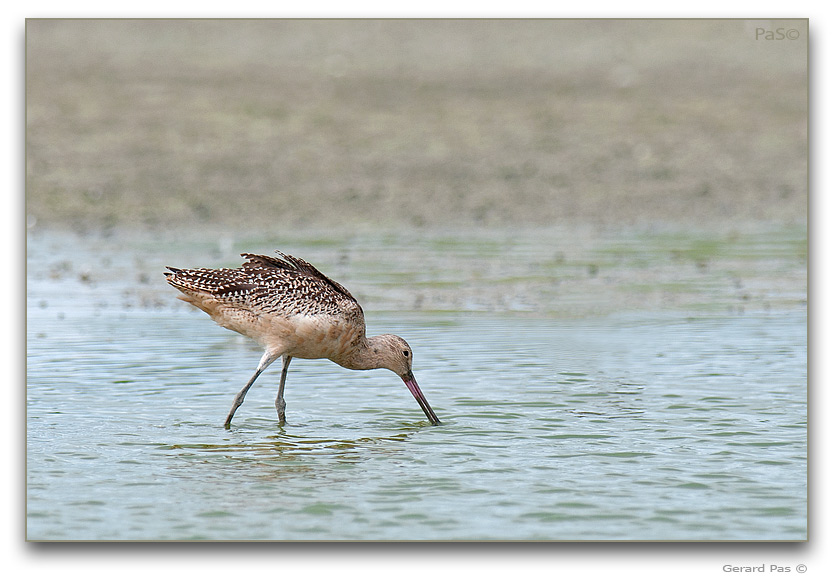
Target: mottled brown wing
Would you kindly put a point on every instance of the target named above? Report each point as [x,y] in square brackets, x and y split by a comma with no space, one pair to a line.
[229,284]
[291,263]
[270,285]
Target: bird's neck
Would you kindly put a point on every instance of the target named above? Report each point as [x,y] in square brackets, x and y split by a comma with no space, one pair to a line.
[366,355]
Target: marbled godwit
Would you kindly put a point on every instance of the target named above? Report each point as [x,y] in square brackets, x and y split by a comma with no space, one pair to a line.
[293,311]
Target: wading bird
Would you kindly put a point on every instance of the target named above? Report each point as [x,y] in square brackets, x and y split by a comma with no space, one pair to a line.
[293,311]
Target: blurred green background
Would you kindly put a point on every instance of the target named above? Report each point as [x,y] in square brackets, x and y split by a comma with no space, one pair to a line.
[280,125]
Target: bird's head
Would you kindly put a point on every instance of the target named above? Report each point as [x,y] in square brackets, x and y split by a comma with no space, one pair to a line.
[393,353]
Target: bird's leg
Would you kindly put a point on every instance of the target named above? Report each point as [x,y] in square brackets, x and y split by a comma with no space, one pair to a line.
[267,359]
[280,405]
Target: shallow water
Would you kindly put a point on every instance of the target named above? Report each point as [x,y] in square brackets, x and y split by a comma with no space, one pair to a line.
[657,425]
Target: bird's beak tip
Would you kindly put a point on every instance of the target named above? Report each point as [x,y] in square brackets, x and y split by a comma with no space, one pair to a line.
[411,383]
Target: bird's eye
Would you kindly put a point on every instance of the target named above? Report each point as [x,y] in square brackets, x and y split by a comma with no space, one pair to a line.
[405,352]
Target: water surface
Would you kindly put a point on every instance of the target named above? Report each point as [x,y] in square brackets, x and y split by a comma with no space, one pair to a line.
[640,425]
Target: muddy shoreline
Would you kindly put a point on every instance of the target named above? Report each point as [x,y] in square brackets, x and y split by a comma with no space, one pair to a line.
[276,125]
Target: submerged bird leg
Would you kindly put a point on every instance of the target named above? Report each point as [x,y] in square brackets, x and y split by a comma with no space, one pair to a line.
[239,398]
[267,359]
[280,405]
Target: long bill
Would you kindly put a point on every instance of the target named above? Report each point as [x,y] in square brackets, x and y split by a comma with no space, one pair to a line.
[411,383]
